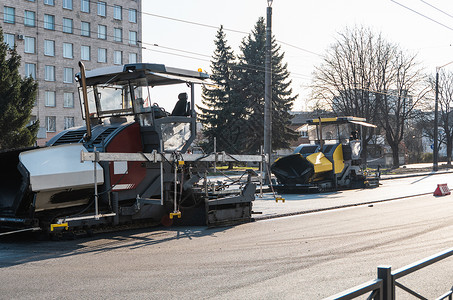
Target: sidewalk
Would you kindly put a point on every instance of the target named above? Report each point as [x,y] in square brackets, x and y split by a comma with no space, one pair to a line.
[296,204]
[411,167]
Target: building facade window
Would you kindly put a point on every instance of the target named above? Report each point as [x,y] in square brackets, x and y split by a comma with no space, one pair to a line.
[50,99]
[102,55]
[85,53]
[29,43]
[132,15]
[68,100]
[49,73]
[102,32]
[68,122]
[102,11]
[30,70]
[67,4]
[132,58]
[118,34]
[49,22]
[133,37]
[29,18]
[49,48]
[85,29]
[85,6]
[68,75]
[51,124]
[68,25]
[9,15]
[68,50]
[304,133]
[49,2]
[8,38]
[117,57]
[117,12]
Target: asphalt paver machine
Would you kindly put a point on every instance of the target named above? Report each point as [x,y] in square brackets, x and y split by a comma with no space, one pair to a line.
[131,162]
[332,160]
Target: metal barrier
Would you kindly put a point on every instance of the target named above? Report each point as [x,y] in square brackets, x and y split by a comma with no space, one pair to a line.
[383,288]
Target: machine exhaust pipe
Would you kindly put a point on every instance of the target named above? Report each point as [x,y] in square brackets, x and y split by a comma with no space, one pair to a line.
[87,137]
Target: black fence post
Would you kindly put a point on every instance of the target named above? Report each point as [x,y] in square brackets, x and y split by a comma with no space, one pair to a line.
[385,273]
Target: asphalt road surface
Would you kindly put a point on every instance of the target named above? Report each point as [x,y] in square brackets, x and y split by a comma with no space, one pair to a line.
[309,256]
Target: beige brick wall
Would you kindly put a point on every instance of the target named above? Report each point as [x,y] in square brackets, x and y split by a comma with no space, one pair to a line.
[40,60]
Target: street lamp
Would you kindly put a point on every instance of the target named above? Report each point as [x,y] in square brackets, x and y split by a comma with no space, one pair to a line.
[268,90]
[436,121]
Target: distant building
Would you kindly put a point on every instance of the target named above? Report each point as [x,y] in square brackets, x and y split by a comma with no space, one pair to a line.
[53,35]
[298,124]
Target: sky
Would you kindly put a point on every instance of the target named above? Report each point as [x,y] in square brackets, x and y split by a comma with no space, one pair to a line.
[181,33]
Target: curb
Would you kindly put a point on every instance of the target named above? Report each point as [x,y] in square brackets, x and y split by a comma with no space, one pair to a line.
[389,177]
[334,207]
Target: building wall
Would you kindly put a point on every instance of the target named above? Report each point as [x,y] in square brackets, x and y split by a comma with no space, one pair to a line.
[21,32]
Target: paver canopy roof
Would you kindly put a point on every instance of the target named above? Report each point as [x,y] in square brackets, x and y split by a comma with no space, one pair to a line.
[155,74]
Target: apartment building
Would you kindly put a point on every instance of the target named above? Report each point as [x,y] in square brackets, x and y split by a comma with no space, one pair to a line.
[52,36]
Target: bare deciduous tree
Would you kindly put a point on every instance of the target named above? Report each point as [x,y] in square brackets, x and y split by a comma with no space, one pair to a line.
[349,74]
[364,75]
[407,88]
[445,98]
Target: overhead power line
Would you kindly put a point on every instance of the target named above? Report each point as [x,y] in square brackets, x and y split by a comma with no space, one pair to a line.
[145,46]
[225,29]
[420,14]
[214,27]
[299,48]
[193,23]
[436,8]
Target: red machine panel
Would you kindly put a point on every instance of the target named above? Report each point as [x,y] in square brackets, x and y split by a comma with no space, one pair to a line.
[126,175]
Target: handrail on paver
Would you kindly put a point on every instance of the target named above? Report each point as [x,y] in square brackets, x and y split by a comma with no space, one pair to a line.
[383,288]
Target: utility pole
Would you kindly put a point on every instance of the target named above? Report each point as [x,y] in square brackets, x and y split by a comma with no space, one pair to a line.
[436,121]
[268,91]
[436,109]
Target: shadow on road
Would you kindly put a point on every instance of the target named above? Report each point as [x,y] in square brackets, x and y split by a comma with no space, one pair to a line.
[423,178]
[25,248]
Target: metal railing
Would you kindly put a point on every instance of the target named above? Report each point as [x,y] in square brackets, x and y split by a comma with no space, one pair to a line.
[383,288]
[374,286]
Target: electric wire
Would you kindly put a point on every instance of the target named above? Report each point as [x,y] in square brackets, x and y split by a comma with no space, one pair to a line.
[423,15]
[217,27]
[214,27]
[436,8]
[299,48]
[193,23]
[93,35]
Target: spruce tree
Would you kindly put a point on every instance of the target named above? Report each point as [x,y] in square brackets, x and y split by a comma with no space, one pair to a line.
[17,97]
[220,114]
[250,85]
